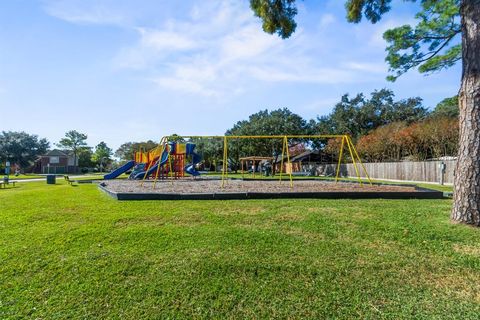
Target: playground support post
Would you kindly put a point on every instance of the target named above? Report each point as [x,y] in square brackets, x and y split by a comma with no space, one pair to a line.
[359,160]
[148,168]
[225,157]
[162,145]
[281,161]
[289,163]
[243,172]
[354,162]
[169,158]
[342,145]
[159,147]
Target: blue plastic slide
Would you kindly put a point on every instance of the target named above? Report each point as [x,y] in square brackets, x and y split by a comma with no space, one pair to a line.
[190,168]
[153,169]
[115,173]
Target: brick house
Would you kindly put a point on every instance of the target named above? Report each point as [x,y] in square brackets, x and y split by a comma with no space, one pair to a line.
[56,162]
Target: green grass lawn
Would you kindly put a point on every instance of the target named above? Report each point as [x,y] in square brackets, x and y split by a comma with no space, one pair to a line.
[73,252]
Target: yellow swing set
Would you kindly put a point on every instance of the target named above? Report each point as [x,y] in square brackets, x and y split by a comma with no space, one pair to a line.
[345,140]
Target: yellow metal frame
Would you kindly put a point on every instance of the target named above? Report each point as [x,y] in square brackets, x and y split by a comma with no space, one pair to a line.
[345,139]
[340,159]
[162,144]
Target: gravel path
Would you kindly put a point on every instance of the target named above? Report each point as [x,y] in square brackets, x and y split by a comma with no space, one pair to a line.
[214,186]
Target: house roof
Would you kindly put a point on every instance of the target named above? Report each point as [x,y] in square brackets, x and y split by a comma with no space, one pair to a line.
[56,153]
[309,155]
[305,154]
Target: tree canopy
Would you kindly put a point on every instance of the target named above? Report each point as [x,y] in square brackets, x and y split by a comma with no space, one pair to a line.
[73,141]
[126,150]
[102,154]
[448,107]
[277,16]
[276,122]
[359,115]
[430,45]
[21,148]
[85,157]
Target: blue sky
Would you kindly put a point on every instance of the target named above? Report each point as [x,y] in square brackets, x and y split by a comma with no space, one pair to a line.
[130,70]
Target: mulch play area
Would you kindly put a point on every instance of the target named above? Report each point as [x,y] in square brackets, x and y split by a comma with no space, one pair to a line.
[210,189]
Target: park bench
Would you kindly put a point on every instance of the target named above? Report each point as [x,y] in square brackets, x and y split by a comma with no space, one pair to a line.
[4,184]
[67,178]
[71,182]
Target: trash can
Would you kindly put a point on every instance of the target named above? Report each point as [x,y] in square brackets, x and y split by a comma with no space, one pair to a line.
[50,179]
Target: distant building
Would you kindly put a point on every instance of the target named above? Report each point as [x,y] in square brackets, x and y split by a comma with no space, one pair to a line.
[308,162]
[56,162]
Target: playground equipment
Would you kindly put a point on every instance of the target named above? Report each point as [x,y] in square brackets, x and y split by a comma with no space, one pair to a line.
[127,166]
[168,155]
[166,158]
[346,141]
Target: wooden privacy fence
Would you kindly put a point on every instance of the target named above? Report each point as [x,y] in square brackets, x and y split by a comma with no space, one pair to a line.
[428,171]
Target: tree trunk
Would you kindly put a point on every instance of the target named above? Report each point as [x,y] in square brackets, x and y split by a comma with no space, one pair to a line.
[466,208]
[74,162]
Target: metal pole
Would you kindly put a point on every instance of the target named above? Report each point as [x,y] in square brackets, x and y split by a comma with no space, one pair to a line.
[289,163]
[281,161]
[224,167]
[158,167]
[354,162]
[360,161]
[340,159]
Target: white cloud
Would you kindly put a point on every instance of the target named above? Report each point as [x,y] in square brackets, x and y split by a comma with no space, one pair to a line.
[185,85]
[378,67]
[219,49]
[160,40]
[247,43]
[320,76]
[222,54]
[327,19]
[86,11]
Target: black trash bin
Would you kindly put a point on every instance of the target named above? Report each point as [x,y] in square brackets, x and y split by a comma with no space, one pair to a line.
[50,179]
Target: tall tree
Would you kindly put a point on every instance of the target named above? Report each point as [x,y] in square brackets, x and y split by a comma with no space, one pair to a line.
[276,122]
[176,138]
[126,150]
[102,155]
[211,151]
[85,157]
[21,148]
[73,141]
[430,45]
[448,107]
[359,115]
[466,206]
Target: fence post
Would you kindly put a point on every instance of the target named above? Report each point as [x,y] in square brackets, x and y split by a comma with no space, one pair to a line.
[442,167]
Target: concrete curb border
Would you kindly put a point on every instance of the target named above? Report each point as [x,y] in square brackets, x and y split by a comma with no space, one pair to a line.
[420,193]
